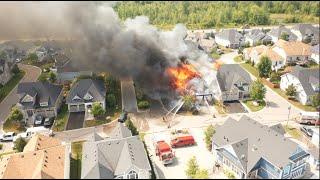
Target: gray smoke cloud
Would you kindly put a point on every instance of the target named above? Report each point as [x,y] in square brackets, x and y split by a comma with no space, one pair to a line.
[132,48]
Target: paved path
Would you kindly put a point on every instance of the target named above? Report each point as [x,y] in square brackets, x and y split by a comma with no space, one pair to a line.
[75,120]
[228,57]
[32,74]
[128,96]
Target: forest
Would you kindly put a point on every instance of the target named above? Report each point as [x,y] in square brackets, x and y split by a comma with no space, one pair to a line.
[204,14]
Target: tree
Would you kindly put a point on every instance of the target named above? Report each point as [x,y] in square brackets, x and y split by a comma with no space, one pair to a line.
[131,127]
[16,114]
[33,57]
[143,104]
[97,110]
[52,77]
[257,91]
[315,100]
[284,36]
[274,77]
[192,167]
[264,66]
[208,136]
[188,102]
[19,144]
[202,174]
[111,100]
[291,91]
[15,69]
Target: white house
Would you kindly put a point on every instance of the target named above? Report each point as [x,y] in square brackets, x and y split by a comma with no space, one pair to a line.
[306,32]
[315,53]
[229,38]
[306,82]
[276,60]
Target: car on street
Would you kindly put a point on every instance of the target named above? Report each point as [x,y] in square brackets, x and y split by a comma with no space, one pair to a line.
[9,136]
[307,131]
[31,131]
[48,122]
[38,120]
[123,117]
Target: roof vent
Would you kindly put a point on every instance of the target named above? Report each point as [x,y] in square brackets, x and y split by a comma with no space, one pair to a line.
[276,134]
[254,148]
[243,156]
[45,161]
[259,139]
[227,140]
[22,156]
[45,165]
[34,154]
[45,151]
[59,157]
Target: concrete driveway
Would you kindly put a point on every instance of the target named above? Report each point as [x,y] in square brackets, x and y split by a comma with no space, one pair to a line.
[75,120]
[234,107]
[32,74]
[128,96]
[228,57]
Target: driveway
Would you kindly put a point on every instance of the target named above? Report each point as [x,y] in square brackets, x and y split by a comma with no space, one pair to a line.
[234,107]
[128,96]
[75,120]
[32,74]
[228,57]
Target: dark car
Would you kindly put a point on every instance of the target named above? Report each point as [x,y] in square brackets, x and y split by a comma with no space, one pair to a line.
[38,120]
[48,122]
[123,117]
[307,131]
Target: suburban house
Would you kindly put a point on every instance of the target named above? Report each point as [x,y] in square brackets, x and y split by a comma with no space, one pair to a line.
[84,93]
[249,149]
[306,32]
[39,98]
[207,44]
[315,53]
[256,36]
[234,82]
[121,156]
[255,52]
[5,71]
[306,82]
[293,51]
[42,158]
[229,38]
[276,60]
[42,53]
[276,33]
[68,71]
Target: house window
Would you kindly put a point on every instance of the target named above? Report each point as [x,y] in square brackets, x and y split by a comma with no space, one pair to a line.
[132,175]
[88,97]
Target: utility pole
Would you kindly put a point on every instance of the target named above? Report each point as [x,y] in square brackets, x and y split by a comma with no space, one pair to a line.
[289,108]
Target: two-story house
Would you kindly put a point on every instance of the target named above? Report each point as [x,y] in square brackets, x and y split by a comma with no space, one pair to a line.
[229,38]
[276,34]
[255,53]
[234,82]
[306,82]
[121,156]
[5,71]
[292,51]
[306,32]
[249,150]
[67,70]
[39,98]
[277,61]
[256,36]
[84,93]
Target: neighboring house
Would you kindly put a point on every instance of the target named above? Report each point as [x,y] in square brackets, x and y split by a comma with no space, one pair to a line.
[306,82]
[60,59]
[122,156]
[39,98]
[276,33]
[42,158]
[68,71]
[207,45]
[5,71]
[293,51]
[84,94]
[305,32]
[41,53]
[315,53]
[276,59]
[251,150]
[256,52]
[230,38]
[234,82]
[256,36]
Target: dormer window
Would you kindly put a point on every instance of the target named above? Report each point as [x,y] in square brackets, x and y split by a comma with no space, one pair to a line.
[88,97]
[76,97]
[315,87]
[27,98]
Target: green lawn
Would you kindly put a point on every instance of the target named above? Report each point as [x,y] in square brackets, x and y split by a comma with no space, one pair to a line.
[295,133]
[253,108]
[6,89]
[251,69]
[61,119]
[113,113]
[13,126]
[75,160]
[215,55]
[238,59]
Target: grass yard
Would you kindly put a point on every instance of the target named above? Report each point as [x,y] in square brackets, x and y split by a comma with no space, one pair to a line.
[254,108]
[238,59]
[251,69]
[113,113]
[13,126]
[6,89]
[61,120]
[75,160]
[295,133]
[215,55]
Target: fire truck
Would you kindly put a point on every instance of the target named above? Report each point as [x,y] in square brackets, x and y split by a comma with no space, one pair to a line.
[164,151]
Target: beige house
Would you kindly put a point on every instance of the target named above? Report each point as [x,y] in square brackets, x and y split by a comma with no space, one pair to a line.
[43,158]
[276,59]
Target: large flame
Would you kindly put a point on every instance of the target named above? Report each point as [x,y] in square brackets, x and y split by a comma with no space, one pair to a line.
[181,75]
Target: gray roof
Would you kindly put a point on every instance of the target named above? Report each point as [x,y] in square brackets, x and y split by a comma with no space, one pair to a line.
[230,34]
[229,74]
[95,88]
[278,128]
[276,32]
[108,158]
[43,91]
[305,29]
[252,141]
[120,131]
[307,77]
[315,49]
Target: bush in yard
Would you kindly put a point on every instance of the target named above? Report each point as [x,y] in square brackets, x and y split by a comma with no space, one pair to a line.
[16,115]
[275,77]
[208,135]
[131,127]
[52,77]
[284,36]
[229,174]
[315,100]
[257,91]
[97,110]
[143,105]
[192,167]
[264,66]
[111,100]
[202,174]
[188,102]
[291,91]
[19,144]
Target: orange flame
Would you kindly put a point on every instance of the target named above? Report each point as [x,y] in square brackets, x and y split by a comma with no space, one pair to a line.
[181,75]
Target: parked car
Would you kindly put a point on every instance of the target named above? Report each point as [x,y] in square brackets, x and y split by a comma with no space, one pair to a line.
[182,141]
[309,118]
[7,136]
[48,122]
[38,120]
[31,131]
[307,131]
[123,117]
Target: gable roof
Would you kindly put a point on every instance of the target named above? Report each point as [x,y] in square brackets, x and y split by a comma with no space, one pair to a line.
[95,88]
[252,141]
[120,131]
[276,32]
[39,142]
[272,55]
[44,92]
[228,74]
[231,35]
[294,48]
[306,77]
[305,29]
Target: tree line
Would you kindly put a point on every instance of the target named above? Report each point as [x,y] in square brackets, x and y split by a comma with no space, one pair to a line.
[202,14]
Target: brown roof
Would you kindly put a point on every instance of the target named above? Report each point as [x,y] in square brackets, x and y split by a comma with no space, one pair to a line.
[39,141]
[272,55]
[260,48]
[294,48]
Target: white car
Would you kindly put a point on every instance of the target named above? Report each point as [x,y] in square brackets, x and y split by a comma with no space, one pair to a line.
[31,131]
[9,136]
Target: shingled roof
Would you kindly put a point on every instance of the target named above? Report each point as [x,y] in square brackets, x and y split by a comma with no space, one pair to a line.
[231,35]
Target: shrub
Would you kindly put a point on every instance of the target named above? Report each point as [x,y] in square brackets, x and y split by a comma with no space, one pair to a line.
[111,100]
[291,91]
[208,136]
[315,100]
[192,167]
[19,144]
[264,66]
[97,110]
[257,90]
[143,105]
[131,127]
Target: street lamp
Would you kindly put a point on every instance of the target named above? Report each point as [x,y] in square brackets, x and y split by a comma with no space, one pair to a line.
[289,108]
